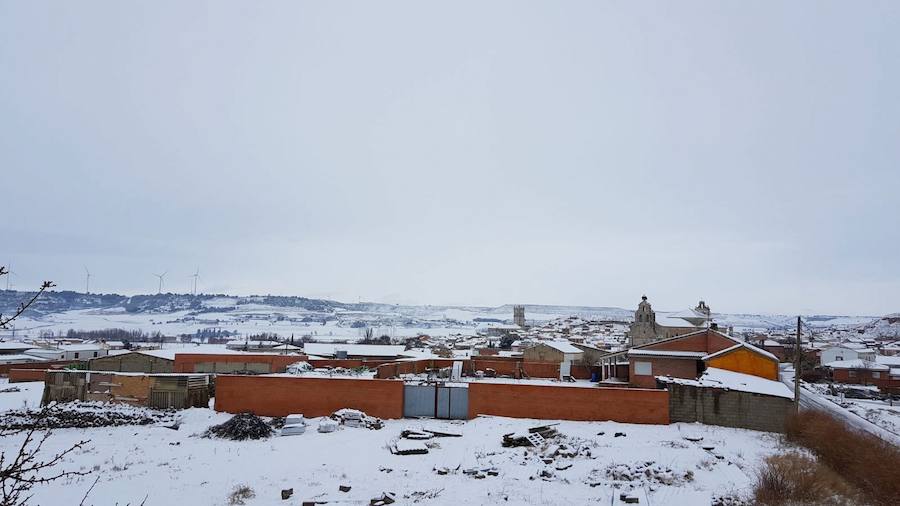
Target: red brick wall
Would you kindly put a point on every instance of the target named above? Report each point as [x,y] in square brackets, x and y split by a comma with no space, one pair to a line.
[627,405]
[52,364]
[707,342]
[185,362]
[504,367]
[280,396]
[21,375]
[677,368]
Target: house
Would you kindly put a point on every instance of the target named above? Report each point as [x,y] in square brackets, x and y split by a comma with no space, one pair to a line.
[8,359]
[687,356]
[591,355]
[553,351]
[648,326]
[355,351]
[82,351]
[846,353]
[149,361]
[859,372]
[14,347]
[775,348]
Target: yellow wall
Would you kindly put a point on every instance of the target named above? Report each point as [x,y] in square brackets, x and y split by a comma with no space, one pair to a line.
[747,362]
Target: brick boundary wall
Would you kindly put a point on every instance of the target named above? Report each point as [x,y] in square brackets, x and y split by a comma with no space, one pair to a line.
[728,408]
[23,375]
[280,396]
[51,364]
[502,365]
[626,405]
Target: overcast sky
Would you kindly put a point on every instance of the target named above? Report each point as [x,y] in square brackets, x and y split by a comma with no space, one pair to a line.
[464,153]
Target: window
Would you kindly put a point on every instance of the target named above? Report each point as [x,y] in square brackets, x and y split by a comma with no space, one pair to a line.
[76,354]
[95,354]
[876,374]
[852,374]
[643,368]
[839,357]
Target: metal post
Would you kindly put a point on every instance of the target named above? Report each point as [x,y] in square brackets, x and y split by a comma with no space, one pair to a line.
[797,351]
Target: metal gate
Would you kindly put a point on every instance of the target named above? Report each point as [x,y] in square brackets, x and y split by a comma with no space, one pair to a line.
[418,400]
[453,403]
[433,401]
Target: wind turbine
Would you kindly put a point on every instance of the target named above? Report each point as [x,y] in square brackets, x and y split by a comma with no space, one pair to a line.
[196,276]
[9,274]
[161,276]
[87,280]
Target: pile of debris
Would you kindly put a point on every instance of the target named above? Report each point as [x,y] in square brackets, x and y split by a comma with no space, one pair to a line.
[81,415]
[536,436]
[293,425]
[298,368]
[9,390]
[639,475]
[241,427]
[357,418]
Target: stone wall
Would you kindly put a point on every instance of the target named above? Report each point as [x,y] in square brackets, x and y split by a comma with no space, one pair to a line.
[728,408]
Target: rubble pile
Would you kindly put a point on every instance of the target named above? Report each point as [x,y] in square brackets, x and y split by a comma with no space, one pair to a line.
[81,415]
[241,427]
[357,418]
[535,436]
[638,475]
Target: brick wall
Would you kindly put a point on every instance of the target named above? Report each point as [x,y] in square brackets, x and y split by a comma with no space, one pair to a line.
[707,342]
[675,367]
[627,405]
[22,375]
[52,364]
[186,362]
[280,396]
[728,408]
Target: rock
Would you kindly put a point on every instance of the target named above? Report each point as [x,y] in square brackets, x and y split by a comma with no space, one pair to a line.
[344,488]
[286,494]
[619,434]
[385,498]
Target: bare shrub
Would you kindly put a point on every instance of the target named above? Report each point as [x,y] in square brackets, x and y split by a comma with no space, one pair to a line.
[795,479]
[867,462]
[240,494]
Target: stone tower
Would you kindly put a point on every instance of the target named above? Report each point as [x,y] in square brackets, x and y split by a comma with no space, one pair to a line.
[519,315]
[643,330]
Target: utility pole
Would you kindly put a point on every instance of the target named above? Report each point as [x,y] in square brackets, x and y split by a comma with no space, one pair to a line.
[797,352]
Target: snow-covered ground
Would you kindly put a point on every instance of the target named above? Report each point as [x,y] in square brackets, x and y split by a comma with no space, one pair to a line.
[179,467]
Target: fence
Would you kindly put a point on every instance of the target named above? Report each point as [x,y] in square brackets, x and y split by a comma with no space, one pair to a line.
[728,408]
[512,367]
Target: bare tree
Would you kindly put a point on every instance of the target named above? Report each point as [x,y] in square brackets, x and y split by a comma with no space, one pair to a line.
[27,468]
[6,320]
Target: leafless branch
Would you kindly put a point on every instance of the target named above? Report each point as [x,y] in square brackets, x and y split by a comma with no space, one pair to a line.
[6,320]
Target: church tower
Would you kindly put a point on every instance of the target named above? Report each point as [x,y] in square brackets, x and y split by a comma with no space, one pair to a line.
[643,330]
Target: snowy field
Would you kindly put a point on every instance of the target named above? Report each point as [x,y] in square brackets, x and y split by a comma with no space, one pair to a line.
[179,467]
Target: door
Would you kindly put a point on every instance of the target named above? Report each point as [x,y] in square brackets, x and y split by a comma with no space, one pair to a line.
[452,403]
[418,400]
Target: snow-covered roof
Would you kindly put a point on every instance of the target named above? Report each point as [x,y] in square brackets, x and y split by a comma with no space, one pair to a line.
[14,345]
[739,345]
[80,347]
[888,360]
[769,342]
[562,346]
[666,353]
[365,350]
[720,378]
[165,354]
[857,364]
[20,358]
